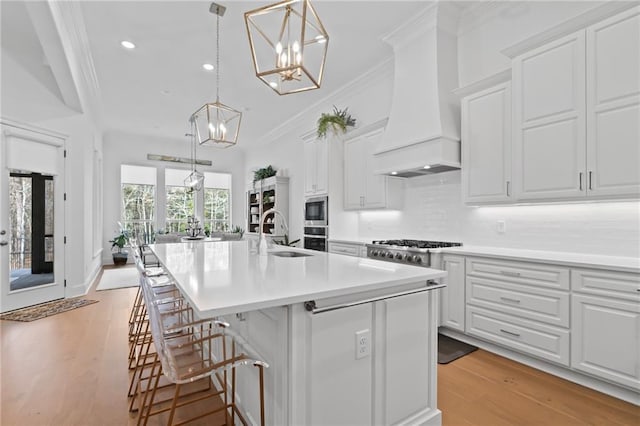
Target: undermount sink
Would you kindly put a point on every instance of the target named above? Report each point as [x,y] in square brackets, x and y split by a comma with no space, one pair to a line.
[289,254]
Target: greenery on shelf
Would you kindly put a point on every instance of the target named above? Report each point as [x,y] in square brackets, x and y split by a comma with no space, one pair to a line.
[286,242]
[338,121]
[237,230]
[263,173]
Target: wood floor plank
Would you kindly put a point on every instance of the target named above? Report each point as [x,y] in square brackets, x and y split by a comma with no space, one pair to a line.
[511,388]
[70,369]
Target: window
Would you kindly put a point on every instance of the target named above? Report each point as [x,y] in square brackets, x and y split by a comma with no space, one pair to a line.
[138,201]
[217,202]
[180,201]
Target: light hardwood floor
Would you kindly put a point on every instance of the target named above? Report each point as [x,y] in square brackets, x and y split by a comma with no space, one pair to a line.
[70,369]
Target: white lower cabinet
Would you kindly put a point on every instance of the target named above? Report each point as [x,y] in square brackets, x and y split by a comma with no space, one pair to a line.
[452,299]
[348,249]
[521,305]
[540,340]
[605,339]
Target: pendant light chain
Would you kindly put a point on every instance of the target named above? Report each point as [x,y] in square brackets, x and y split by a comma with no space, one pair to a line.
[217,57]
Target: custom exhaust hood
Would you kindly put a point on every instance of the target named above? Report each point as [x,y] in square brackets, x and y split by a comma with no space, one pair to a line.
[423,132]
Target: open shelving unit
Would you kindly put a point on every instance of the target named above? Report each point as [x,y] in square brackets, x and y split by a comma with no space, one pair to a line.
[270,193]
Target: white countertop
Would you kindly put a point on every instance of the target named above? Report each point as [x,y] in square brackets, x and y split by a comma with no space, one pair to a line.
[618,263]
[227,277]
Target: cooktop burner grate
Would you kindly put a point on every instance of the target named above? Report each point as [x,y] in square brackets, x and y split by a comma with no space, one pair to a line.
[416,243]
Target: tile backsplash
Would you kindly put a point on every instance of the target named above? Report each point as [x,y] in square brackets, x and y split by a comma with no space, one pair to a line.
[434,210]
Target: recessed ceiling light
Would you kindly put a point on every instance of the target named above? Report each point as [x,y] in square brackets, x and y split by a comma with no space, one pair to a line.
[394,173]
[127,44]
[207,67]
[427,167]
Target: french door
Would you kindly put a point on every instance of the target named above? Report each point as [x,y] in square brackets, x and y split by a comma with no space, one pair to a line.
[31,216]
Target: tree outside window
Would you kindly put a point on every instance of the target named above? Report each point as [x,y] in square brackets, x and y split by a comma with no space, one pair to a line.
[138,201]
[138,207]
[179,207]
[216,210]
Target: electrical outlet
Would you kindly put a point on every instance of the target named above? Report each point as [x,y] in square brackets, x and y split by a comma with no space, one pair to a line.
[363,344]
[501,227]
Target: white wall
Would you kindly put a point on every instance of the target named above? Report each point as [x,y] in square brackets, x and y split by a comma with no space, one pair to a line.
[126,148]
[28,99]
[488,27]
[368,100]
[433,207]
[434,211]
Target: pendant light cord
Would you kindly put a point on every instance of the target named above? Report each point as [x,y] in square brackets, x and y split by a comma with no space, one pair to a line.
[218,56]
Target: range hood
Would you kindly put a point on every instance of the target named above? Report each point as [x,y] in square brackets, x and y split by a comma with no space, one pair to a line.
[423,132]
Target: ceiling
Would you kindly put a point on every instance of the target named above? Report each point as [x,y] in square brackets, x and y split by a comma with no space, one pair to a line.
[154,88]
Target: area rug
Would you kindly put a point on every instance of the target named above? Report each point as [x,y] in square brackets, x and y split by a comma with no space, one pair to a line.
[123,277]
[451,349]
[43,310]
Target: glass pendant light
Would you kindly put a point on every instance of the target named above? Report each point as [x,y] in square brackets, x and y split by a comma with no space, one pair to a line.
[195,180]
[217,124]
[288,45]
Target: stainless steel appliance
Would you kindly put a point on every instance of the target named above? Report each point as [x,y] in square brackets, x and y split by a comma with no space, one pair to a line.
[315,238]
[316,211]
[414,252]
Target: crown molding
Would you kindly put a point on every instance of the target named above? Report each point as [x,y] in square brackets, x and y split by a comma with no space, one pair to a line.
[382,71]
[490,81]
[71,28]
[569,26]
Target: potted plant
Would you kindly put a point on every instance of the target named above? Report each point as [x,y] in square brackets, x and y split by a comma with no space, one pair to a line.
[338,121]
[235,234]
[286,242]
[120,256]
[263,173]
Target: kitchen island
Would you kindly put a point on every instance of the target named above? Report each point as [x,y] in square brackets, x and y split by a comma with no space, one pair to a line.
[348,340]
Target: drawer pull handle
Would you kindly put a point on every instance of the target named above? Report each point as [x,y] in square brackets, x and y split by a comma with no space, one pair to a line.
[510,273]
[507,299]
[511,333]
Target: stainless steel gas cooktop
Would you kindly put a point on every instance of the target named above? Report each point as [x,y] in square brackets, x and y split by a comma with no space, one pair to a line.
[414,252]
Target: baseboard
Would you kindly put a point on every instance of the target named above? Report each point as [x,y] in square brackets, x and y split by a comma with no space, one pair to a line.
[83,289]
[562,372]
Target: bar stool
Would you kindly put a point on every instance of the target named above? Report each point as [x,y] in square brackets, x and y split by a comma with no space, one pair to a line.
[185,355]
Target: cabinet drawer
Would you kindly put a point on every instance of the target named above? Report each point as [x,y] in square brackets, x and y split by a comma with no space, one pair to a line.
[543,341]
[625,285]
[540,304]
[536,274]
[347,249]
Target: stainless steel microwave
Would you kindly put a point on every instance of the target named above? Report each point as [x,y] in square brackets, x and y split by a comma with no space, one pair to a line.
[316,211]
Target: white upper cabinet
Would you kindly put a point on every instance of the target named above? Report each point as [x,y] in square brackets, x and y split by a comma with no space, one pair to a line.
[363,189]
[316,162]
[549,120]
[486,145]
[613,97]
[576,114]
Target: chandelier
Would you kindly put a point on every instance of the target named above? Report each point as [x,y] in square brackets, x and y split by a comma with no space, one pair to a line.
[217,124]
[194,181]
[288,45]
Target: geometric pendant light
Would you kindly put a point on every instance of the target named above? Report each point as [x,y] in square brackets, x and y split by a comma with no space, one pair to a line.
[215,123]
[195,180]
[288,45]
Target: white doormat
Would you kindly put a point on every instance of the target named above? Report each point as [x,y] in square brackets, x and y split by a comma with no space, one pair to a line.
[118,278]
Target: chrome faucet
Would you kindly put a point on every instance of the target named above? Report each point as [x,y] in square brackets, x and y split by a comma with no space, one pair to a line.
[263,238]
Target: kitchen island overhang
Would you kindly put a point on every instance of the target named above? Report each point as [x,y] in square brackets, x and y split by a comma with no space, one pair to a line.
[228,277]
[371,360]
